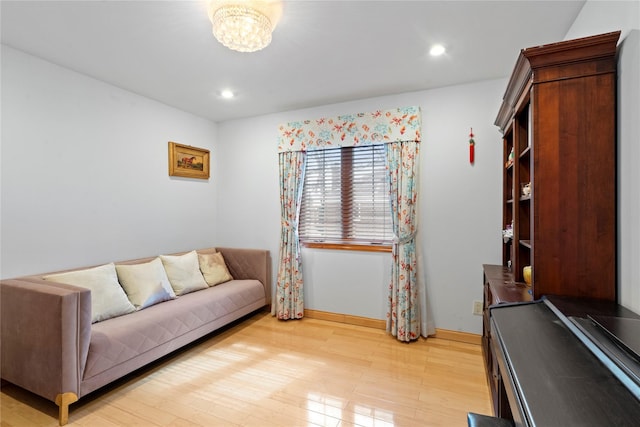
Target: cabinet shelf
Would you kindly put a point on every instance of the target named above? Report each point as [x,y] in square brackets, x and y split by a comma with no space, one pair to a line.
[560,104]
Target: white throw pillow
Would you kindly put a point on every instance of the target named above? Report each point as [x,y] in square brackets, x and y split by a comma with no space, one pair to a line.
[145,284]
[183,272]
[107,296]
[214,269]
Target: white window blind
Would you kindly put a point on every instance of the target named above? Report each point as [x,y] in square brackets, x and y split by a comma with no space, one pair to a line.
[345,198]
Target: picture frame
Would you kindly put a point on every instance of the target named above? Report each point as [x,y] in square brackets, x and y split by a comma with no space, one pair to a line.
[187,161]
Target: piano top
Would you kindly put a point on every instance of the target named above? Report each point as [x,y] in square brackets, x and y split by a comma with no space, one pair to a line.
[551,376]
[625,332]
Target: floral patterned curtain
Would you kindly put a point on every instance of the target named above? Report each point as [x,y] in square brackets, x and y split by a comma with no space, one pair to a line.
[400,130]
[376,127]
[289,300]
[403,306]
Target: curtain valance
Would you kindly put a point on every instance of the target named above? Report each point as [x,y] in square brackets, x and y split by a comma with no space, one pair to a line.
[377,127]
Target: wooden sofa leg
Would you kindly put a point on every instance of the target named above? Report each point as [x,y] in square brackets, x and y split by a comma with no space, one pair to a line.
[63,400]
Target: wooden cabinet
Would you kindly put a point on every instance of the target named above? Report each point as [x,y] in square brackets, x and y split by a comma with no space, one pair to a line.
[499,288]
[558,120]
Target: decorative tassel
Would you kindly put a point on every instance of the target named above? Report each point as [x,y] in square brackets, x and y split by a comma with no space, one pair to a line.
[472,151]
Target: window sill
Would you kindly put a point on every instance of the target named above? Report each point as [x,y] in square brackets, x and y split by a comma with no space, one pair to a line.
[348,247]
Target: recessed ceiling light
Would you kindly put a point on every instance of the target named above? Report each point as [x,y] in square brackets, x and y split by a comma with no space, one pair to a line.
[437,50]
[227,94]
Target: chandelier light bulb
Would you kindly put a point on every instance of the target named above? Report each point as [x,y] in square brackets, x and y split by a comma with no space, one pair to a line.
[241,28]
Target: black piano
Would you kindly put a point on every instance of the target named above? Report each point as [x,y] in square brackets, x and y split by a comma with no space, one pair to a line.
[565,362]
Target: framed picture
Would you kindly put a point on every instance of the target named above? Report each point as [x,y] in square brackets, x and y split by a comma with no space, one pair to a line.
[188,161]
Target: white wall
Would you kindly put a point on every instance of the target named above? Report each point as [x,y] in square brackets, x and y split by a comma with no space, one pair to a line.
[600,17]
[603,16]
[460,204]
[628,172]
[84,181]
[85,172]
[460,219]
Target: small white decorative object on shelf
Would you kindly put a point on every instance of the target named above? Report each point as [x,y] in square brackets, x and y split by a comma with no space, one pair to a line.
[507,233]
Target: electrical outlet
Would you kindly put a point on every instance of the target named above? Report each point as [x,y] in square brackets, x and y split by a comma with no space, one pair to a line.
[477,308]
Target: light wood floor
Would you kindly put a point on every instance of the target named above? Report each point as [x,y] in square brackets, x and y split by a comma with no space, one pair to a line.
[265,372]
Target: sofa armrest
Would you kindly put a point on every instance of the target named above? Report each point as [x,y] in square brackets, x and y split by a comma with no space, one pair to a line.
[249,264]
[46,329]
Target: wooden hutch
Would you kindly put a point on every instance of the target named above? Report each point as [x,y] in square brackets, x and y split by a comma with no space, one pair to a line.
[558,120]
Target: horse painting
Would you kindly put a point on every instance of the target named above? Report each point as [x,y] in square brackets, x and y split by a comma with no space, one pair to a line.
[188,163]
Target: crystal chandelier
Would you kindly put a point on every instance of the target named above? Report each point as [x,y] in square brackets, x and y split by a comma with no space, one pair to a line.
[244,26]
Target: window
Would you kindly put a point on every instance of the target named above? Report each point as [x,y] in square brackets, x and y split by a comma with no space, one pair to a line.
[345,198]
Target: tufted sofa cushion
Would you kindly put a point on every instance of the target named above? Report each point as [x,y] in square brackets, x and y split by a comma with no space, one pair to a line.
[121,339]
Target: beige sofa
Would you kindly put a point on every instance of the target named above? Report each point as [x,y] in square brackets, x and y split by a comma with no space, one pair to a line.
[50,346]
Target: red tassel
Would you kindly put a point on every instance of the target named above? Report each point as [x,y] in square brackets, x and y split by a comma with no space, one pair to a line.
[472,151]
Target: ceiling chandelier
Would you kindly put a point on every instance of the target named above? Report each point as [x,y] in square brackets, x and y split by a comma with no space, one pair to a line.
[244,26]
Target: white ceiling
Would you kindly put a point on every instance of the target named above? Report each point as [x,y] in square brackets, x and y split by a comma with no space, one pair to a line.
[322,51]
